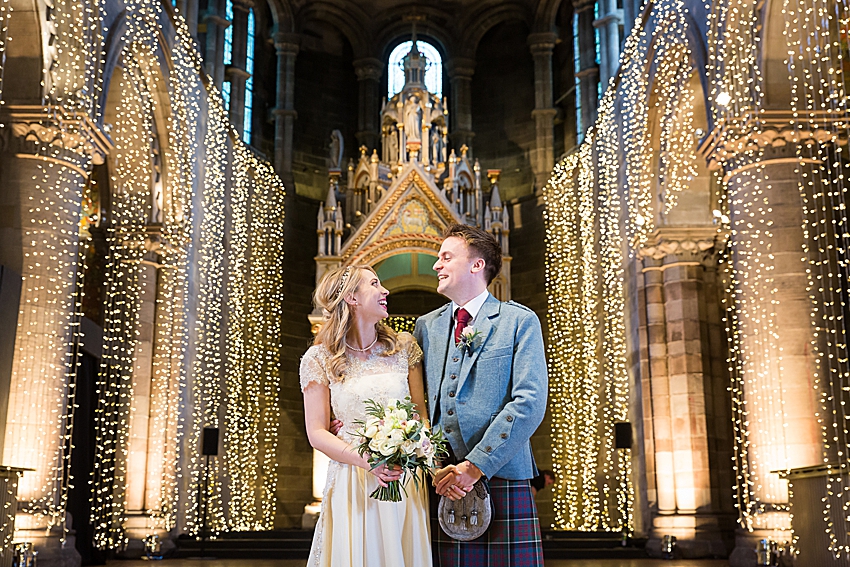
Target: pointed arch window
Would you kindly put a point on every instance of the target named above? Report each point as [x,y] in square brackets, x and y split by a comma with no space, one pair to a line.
[228,50]
[247,120]
[433,70]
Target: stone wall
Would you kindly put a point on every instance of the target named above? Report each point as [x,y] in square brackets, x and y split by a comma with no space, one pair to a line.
[295,456]
[325,99]
[501,117]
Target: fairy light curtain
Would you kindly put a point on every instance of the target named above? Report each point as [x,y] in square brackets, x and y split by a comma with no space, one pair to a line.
[817,61]
[191,317]
[586,237]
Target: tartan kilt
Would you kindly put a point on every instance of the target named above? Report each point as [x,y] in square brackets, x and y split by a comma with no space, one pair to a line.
[512,540]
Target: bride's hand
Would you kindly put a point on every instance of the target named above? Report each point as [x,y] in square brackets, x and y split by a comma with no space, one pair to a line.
[386,474]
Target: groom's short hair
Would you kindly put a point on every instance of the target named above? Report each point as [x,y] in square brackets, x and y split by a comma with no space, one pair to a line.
[483,243]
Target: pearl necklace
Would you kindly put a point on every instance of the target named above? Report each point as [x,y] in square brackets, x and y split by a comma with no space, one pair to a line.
[361,349]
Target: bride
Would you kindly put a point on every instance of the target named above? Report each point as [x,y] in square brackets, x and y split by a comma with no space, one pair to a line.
[356,357]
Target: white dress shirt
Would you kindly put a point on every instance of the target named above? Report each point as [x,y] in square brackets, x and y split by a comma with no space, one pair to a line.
[473,306]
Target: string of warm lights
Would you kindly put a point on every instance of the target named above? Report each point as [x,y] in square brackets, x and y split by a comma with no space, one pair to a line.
[5,13]
[816,58]
[208,364]
[255,302]
[585,272]
[253,317]
[131,187]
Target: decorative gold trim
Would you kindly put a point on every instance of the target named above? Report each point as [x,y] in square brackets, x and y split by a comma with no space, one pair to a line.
[387,246]
[368,228]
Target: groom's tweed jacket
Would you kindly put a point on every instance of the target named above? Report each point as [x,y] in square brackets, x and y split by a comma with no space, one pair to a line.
[498,388]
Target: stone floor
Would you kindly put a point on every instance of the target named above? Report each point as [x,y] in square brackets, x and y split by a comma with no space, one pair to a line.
[302,563]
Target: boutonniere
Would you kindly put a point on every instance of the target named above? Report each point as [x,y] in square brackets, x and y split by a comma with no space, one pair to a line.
[467,338]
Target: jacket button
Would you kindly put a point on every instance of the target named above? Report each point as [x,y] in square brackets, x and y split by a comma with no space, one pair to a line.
[504,435]
[488,448]
[451,412]
[453,376]
[451,394]
[510,418]
[454,359]
[435,398]
[448,429]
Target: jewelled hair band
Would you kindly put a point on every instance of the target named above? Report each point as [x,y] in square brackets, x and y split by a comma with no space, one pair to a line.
[344,279]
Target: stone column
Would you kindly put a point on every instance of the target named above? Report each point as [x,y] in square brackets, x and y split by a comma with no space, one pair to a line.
[191,14]
[689,423]
[777,362]
[214,49]
[608,25]
[543,154]
[145,451]
[286,47]
[43,169]
[369,72]
[236,73]
[460,71]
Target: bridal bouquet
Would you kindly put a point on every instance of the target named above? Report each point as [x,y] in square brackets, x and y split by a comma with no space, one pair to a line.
[394,434]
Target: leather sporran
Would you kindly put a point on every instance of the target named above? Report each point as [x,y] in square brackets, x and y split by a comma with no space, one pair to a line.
[468,518]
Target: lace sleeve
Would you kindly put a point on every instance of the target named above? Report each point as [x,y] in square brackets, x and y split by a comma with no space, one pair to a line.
[313,368]
[414,352]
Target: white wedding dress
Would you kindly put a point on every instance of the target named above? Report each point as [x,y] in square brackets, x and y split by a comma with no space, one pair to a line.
[355,530]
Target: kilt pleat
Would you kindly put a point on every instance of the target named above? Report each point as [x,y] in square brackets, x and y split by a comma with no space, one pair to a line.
[513,539]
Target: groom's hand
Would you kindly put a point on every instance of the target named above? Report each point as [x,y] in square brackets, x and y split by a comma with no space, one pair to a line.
[440,474]
[456,485]
[335,426]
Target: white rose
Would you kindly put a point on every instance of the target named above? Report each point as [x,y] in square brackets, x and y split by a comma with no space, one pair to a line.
[387,447]
[408,447]
[397,435]
[467,332]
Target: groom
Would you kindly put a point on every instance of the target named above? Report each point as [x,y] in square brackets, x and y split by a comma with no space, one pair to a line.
[488,394]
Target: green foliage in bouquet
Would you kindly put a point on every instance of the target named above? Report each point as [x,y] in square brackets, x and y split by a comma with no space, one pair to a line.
[395,434]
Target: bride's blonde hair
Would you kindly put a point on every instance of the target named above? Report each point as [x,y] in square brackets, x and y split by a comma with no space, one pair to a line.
[330,294]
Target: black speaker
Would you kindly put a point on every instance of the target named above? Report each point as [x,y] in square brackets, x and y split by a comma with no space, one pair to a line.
[623,435]
[209,441]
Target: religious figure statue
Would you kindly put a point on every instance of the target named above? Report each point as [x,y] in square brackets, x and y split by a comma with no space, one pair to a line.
[337,149]
[436,150]
[413,119]
[392,144]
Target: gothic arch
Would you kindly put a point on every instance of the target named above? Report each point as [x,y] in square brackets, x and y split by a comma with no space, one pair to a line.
[281,10]
[352,22]
[400,32]
[544,18]
[476,24]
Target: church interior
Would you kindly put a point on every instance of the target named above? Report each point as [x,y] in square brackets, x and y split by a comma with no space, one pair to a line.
[666,179]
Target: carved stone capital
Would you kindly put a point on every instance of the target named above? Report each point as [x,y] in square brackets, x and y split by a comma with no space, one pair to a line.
[780,133]
[286,43]
[50,133]
[696,244]
[542,43]
[460,68]
[368,68]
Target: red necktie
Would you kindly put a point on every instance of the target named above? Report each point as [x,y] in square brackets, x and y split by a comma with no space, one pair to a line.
[463,318]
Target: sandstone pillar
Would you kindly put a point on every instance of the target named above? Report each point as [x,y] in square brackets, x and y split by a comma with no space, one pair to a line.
[776,361]
[460,70]
[543,154]
[286,47]
[369,72]
[44,167]
[687,412]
